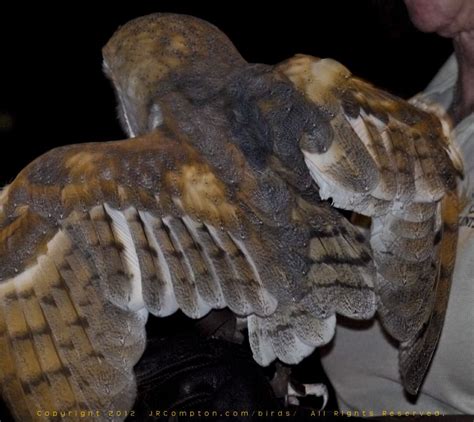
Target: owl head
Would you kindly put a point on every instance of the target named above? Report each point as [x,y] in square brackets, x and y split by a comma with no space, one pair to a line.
[155,54]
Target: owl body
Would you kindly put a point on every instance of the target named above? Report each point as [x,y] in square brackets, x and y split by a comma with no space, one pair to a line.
[218,200]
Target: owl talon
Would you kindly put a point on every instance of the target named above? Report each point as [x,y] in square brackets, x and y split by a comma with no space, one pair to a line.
[317,390]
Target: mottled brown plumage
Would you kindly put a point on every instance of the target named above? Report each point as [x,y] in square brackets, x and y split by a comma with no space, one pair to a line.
[395,163]
[216,202]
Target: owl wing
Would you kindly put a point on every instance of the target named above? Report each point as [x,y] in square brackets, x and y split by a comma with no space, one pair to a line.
[394,162]
[93,237]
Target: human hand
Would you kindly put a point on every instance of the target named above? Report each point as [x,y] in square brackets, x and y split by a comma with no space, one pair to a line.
[445,17]
[453,19]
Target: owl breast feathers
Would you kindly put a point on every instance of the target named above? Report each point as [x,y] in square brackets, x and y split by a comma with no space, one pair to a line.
[219,199]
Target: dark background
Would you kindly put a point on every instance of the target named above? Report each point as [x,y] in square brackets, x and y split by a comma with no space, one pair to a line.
[53,92]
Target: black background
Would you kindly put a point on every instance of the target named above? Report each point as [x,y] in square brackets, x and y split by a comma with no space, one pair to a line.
[53,92]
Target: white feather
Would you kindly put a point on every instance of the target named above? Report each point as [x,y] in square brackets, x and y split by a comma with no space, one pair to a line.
[168,303]
[203,307]
[122,232]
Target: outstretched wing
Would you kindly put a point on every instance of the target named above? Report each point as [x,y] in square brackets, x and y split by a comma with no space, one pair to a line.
[95,236]
[394,162]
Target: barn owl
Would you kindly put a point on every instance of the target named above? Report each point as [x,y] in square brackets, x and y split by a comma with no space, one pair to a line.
[225,195]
